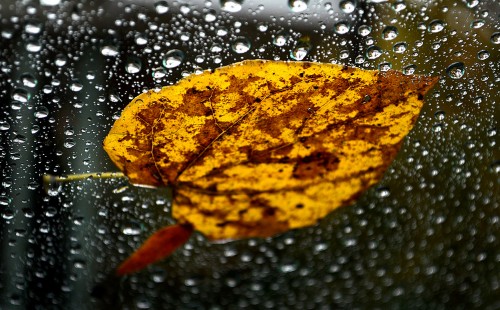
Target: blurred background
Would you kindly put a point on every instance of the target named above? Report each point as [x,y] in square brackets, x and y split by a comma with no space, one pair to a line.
[426,237]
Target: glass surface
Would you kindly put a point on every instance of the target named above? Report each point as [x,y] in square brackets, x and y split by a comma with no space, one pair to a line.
[426,237]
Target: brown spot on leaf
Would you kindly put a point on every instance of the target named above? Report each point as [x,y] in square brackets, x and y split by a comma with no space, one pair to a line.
[316,164]
[194,100]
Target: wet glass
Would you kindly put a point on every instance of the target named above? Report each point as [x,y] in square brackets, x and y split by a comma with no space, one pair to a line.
[427,236]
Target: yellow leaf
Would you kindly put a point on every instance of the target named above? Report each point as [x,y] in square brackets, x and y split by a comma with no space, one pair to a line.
[261,147]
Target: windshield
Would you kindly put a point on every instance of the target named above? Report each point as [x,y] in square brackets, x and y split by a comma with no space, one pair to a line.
[426,236]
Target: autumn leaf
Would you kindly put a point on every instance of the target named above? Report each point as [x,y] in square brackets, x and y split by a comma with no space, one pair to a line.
[261,147]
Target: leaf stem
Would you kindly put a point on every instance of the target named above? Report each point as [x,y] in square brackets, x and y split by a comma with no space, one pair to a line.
[49,179]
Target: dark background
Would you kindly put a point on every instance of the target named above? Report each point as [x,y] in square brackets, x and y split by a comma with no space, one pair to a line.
[426,237]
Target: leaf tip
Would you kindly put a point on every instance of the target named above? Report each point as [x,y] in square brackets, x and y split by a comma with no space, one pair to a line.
[158,246]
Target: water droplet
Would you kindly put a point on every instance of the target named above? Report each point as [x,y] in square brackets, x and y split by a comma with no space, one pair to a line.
[69,131]
[79,264]
[492,132]
[341,27]
[328,7]
[41,112]
[61,60]
[132,229]
[47,89]
[456,70]
[373,52]
[191,282]
[216,48]
[4,125]
[383,192]
[344,54]
[4,200]
[398,6]
[495,38]
[241,45]
[483,55]
[439,115]
[221,31]
[75,86]
[299,53]
[301,49]
[384,66]
[113,97]
[199,59]
[436,45]
[7,34]
[35,128]
[437,127]
[143,303]
[7,181]
[69,143]
[173,58]
[16,105]
[320,247]
[347,6]
[478,23]
[44,228]
[28,213]
[140,39]
[291,267]
[8,214]
[232,6]
[409,70]
[161,7]
[109,50]
[29,80]
[50,212]
[133,65]
[350,242]
[471,3]
[364,30]
[159,72]
[16,155]
[281,38]
[359,59]
[389,33]
[33,47]
[20,95]
[262,27]
[298,5]
[210,16]
[33,27]
[20,139]
[436,26]
[50,2]
[369,41]
[495,166]
[159,276]
[400,47]
[478,100]
[185,9]
[16,299]
[230,251]
[128,198]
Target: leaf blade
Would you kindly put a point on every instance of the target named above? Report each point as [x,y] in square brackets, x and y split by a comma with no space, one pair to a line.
[246,138]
